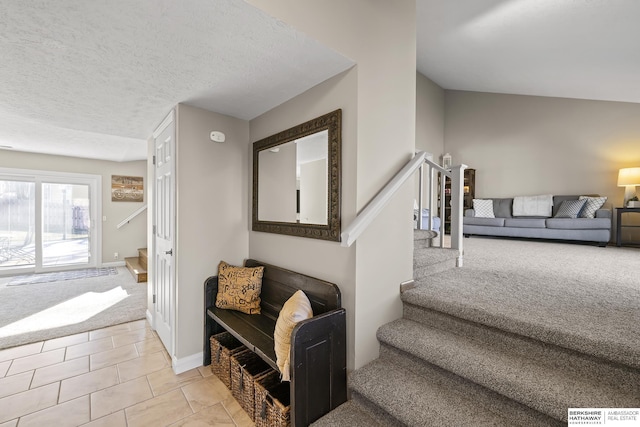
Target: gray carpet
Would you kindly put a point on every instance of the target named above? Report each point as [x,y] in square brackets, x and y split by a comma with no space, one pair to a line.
[43,311]
[525,330]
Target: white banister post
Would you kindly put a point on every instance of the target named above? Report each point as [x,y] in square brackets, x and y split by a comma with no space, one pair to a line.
[420,197]
[457,209]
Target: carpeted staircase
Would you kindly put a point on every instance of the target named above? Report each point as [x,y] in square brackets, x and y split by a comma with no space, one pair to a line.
[450,363]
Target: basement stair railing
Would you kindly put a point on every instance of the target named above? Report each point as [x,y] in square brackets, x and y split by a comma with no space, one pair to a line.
[429,171]
[130,217]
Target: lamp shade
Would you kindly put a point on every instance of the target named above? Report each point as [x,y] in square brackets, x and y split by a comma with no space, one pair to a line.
[629,176]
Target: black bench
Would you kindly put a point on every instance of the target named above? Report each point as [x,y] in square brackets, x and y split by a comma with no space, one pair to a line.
[318,345]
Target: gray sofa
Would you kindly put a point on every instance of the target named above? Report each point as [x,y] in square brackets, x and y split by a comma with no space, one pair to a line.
[596,229]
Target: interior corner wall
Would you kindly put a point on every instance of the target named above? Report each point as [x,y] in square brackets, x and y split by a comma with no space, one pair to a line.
[125,240]
[211,212]
[528,145]
[429,121]
[378,139]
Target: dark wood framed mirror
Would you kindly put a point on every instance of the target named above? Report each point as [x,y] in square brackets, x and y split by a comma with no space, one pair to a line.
[297,180]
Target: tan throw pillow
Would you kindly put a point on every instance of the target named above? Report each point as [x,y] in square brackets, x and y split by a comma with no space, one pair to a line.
[239,288]
[296,309]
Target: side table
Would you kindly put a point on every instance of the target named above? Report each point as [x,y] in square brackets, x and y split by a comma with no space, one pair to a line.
[619,225]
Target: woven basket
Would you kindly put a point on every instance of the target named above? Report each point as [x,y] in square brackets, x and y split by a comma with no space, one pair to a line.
[272,402]
[224,345]
[246,368]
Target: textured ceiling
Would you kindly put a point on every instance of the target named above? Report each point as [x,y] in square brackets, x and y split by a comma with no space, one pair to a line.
[94,78]
[586,49]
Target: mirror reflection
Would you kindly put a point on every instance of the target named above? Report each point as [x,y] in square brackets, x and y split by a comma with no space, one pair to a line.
[294,181]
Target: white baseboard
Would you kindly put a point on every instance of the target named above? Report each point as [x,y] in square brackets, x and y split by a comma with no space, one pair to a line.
[187,363]
[113,264]
[150,319]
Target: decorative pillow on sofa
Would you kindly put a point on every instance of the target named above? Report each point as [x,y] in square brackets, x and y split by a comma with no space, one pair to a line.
[483,208]
[570,209]
[239,288]
[295,309]
[591,206]
[502,208]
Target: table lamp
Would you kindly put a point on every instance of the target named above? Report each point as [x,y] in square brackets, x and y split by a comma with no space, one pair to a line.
[629,178]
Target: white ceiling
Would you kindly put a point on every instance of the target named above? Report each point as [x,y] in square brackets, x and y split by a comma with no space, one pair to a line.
[94,78]
[586,49]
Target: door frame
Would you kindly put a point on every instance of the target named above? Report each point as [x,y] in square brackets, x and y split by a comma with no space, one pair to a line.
[95,213]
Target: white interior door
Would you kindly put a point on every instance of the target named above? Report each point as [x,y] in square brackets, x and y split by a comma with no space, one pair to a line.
[164,231]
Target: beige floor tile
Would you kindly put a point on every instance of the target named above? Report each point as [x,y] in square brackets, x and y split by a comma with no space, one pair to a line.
[152,345]
[15,383]
[205,393]
[4,367]
[65,341]
[215,416]
[113,357]
[12,423]
[88,383]
[109,331]
[69,414]
[117,419]
[159,411]
[91,347]
[132,337]
[237,413]
[165,380]
[22,351]
[141,366]
[205,371]
[138,324]
[118,397]
[27,402]
[35,361]
[60,371]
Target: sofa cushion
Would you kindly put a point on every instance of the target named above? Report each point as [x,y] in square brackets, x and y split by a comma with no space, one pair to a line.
[541,205]
[570,209]
[489,222]
[502,208]
[591,206]
[579,223]
[483,208]
[525,222]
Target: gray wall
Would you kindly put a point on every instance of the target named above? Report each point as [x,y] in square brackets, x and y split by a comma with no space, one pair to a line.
[527,145]
[378,98]
[125,240]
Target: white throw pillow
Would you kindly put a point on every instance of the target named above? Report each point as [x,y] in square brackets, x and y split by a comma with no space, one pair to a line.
[591,206]
[295,309]
[483,208]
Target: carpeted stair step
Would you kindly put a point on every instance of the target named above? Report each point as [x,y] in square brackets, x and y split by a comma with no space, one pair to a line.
[423,238]
[549,385]
[349,414]
[416,400]
[535,306]
[428,261]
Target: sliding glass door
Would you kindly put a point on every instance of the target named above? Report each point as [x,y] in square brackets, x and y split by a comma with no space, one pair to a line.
[47,221]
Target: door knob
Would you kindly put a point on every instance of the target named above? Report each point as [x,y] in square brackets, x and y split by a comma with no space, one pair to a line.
[169,252]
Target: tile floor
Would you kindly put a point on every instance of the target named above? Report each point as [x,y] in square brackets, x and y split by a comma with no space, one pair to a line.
[116,376]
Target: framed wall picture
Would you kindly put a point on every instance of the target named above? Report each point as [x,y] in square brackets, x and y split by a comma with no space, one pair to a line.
[127,188]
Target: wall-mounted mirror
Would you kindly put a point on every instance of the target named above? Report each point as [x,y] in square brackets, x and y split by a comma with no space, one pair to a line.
[296,180]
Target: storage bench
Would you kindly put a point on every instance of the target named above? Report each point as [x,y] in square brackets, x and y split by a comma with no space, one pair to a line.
[318,345]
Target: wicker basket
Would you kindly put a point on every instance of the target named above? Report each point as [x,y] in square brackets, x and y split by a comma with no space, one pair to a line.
[272,402]
[224,345]
[246,368]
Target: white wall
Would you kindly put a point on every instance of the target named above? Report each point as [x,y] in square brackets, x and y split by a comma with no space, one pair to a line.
[378,98]
[527,145]
[126,240]
[313,181]
[211,212]
[277,191]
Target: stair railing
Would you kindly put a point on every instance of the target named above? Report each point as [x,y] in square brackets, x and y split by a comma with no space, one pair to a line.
[420,161]
[130,217]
